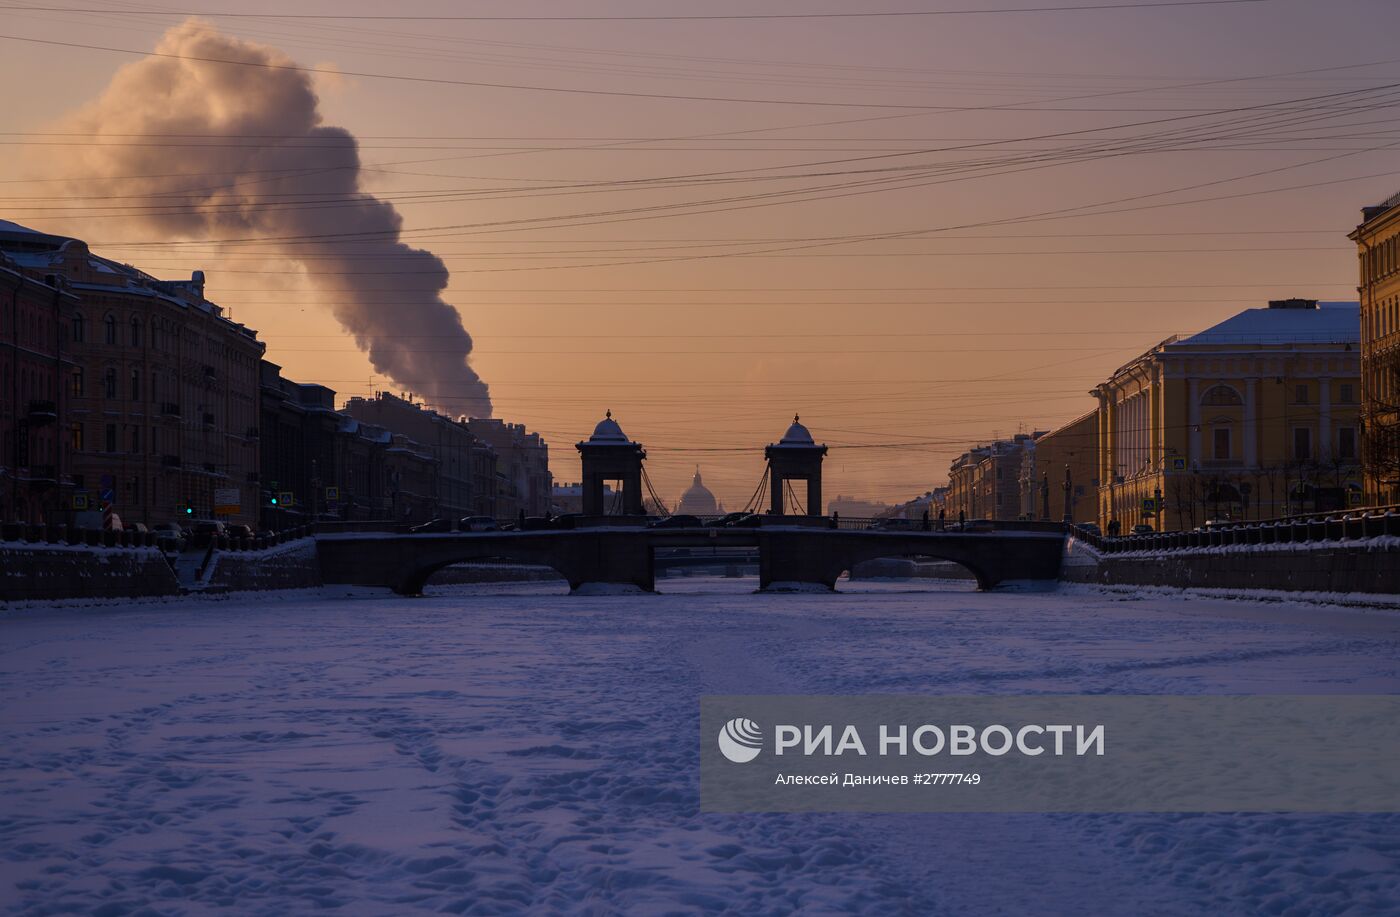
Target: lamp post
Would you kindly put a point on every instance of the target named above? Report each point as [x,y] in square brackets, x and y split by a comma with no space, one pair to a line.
[1069,496]
[1157,507]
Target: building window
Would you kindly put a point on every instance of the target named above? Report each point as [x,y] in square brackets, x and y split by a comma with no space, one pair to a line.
[1300,394]
[1222,444]
[111,443]
[77,382]
[1221,395]
[109,329]
[75,434]
[1348,394]
[1346,443]
[135,332]
[109,382]
[136,385]
[1302,444]
[78,330]
[136,440]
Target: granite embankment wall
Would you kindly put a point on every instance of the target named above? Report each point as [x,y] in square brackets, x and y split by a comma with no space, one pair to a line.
[56,571]
[1362,565]
[285,566]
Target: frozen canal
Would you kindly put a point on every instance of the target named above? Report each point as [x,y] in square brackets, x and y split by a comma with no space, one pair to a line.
[504,748]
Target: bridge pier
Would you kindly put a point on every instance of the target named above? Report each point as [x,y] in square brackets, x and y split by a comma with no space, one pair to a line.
[612,558]
[797,557]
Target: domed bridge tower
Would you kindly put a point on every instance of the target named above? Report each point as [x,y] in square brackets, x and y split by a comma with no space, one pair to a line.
[795,458]
[608,455]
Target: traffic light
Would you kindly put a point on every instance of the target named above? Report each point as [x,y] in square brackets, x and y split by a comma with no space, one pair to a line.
[189,510]
[272,500]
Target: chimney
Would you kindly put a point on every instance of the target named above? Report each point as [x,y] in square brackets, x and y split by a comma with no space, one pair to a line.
[1292,304]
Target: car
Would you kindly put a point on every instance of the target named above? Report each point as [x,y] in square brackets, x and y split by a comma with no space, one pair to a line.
[894,524]
[979,525]
[138,527]
[728,519]
[681,521]
[1142,528]
[238,530]
[537,523]
[1090,528]
[205,532]
[1214,524]
[477,524]
[432,527]
[170,537]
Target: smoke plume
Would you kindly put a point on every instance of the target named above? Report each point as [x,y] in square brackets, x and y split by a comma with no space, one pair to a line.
[271,171]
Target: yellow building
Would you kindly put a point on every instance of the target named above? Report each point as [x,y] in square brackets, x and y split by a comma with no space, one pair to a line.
[1253,418]
[1073,446]
[1378,252]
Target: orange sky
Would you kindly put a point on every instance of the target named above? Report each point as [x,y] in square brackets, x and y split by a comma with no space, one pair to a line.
[705,311]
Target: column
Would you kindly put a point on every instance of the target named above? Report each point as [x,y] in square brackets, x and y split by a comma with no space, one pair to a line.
[776,480]
[814,496]
[1193,392]
[1324,419]
[1251,424]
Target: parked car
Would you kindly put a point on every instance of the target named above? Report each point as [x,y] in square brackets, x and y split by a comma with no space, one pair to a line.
[432,527]
[677,522]
[477,524]
[980,525]
[1211,524]
[536,523]
[1091,528]
[169,536]
[238,530]
[729,519]
[205,532]
[1142,528]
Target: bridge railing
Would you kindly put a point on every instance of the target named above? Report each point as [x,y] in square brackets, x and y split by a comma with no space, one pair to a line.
[1337,527]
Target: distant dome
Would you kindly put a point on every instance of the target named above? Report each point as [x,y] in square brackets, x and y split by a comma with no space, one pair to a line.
[796,435]
[607,431]
[697,500]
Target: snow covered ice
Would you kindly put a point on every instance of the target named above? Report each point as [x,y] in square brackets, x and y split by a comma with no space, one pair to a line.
[508,748]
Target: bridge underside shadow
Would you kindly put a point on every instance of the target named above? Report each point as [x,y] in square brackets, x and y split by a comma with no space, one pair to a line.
[621,556]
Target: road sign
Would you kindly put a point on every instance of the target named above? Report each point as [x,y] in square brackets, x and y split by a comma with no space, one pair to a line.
[1149,506]
[107,495]
[1178,464]
[227,501]
[332,493]
[80,501]
[285,498]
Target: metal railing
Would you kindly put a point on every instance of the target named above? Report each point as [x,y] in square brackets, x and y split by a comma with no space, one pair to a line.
[1336,527]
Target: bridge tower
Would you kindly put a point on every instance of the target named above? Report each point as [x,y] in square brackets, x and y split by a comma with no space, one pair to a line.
[795,458]
[608,455]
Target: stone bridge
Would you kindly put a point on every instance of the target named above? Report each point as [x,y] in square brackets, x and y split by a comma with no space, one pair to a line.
[625,555]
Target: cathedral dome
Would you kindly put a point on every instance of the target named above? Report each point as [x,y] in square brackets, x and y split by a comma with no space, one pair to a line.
[697,500]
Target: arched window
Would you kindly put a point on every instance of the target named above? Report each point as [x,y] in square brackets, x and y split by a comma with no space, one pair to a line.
[78,331]
[77,378]
[135,332]
[109,328]
[1221,396]
[109,383]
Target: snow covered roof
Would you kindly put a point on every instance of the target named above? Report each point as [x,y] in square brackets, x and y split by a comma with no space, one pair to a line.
[608,431]
[1327,323]
[796,435]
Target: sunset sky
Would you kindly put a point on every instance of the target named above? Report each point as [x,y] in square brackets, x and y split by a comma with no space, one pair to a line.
[918,232]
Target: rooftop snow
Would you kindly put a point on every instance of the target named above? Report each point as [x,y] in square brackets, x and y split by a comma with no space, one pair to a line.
[1329,323]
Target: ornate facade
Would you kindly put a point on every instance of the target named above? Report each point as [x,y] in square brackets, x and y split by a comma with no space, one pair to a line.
[1254,418]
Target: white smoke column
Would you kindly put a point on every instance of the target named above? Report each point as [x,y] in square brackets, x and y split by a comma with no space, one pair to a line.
[385,293]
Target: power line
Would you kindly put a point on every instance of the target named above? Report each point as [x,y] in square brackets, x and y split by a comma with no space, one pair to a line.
[873,14]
